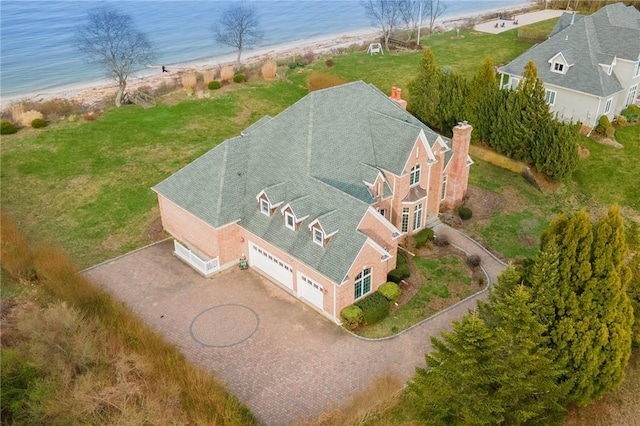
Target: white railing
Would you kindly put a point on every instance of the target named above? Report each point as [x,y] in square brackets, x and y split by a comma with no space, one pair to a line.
[205,267]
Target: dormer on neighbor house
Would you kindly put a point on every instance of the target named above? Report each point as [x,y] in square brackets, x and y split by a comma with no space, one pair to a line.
[560,62]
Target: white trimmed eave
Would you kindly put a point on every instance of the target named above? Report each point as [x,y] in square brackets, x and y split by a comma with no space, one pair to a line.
[395,232]
[383,252]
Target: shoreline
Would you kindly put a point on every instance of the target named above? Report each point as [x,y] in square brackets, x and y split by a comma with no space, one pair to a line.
[90,93]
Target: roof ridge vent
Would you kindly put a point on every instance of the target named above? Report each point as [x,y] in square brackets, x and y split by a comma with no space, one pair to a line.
[573,17]
[566,38]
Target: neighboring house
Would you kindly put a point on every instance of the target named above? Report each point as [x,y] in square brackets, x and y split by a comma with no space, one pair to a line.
[590,65]
[317,197]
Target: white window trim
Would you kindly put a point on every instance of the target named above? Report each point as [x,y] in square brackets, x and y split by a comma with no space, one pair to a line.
[288,215]
[607,105]
[513,83]
[317,232]
[405,213]
[444,187]
[636,71]
[417,214]
[415,175]
[631,95]
[362,276]
[550,96]
[560,71]
[265,207]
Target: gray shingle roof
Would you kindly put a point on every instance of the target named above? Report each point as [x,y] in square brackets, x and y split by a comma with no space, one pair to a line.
[313,155]
[612,31]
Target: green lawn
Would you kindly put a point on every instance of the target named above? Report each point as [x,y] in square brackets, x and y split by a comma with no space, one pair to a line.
[444,282]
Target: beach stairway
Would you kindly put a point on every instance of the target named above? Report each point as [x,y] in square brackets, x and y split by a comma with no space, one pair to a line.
[145,100]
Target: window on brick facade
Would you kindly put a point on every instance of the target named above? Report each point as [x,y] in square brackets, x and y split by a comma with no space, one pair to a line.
[444,187]
[405,219]
[363,283]
[414,179]
[417,217]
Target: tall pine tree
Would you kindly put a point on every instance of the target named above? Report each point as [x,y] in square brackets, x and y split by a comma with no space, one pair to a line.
[481,102]
[423,90]
[534,114]
[460,382]
[453,90]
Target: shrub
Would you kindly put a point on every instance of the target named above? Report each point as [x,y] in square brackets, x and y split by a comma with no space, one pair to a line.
[621,121]
[328,63]
[308,58]
[631,113]
[293,65]
[214,85]
[72,118]
[317,81]
[422,237]
[189,81]
[239,78]
[38,123]
[401,272]
[603,124]
[26,118]
[7,128]
[351,317]
[208,75]
[442,240]
[610,132]
[473,260]
[390,290]
[465,213]
[374,307]
[269,69]
[226,73]
[90,116]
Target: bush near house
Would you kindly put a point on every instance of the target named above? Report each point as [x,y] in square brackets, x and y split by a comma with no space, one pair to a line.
[423,237]
[401,272]
[465,213]
[631,113]
[603,124]
[390,290]
[374,307]
[351,317]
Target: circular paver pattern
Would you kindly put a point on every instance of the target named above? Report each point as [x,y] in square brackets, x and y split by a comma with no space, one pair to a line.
[224,325]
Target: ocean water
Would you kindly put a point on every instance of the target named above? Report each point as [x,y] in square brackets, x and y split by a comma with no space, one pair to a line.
[36,37]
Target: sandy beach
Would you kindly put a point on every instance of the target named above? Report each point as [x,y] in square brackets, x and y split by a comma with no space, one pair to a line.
[91,93]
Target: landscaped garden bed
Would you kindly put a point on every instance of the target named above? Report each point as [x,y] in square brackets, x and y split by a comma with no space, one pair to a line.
[440,277]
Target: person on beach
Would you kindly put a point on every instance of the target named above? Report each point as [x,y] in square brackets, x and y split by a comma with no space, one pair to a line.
[164,69]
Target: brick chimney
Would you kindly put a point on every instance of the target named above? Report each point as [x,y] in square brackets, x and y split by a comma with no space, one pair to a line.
[396,95]
[458,174]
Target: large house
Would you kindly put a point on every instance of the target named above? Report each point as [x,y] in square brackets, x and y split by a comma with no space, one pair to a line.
[317,197]
[590,65]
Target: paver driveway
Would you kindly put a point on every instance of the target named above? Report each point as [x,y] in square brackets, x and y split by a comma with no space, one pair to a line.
[285,361]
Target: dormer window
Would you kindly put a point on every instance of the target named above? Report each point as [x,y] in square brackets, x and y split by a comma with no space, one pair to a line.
[318,236]
[265,207]
[289,221]
[414,179]
[558,67]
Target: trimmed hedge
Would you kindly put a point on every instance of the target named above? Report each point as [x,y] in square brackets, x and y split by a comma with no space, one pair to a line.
[390,290]
[422,237]
[465,213]
[214,85]
[38,123]
[239,78]
[401,272]
[351,317]
[374,307]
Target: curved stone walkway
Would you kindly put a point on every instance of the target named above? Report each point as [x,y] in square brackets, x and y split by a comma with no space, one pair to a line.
[289,363]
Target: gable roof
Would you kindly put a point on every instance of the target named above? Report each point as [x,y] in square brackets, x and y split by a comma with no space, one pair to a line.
[314,156]
[585,43]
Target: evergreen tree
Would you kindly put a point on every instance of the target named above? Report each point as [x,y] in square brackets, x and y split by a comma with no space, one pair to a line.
[528,387]
[579,281]
[481,102]
[555,151]
[503,124]
[633,291]
[459,385]
[423,91]
[453,90]
[534,116]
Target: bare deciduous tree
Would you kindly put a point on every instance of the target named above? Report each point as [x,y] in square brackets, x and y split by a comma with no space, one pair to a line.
[110,38]
[239,27]
[435,9]
[384,14]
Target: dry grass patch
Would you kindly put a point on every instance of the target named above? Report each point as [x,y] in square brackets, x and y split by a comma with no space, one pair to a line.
[227,73]
[189,81]
[317,81]
[381,394]
[269,69]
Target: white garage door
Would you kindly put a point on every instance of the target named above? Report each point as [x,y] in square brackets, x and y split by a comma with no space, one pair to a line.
[311,291]
[271,265]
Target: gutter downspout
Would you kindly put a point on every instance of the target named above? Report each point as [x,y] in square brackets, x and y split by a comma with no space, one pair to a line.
[334,305]
[595,122]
